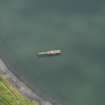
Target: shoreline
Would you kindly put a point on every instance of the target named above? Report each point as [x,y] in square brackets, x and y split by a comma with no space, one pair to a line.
[20,85]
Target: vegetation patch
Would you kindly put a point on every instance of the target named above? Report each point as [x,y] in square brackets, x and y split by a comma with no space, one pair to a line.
[9,95]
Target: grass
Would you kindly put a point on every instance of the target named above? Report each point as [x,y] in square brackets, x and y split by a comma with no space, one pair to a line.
[9,95]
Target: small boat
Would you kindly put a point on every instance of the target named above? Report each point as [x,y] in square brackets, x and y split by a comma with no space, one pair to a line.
[50,53]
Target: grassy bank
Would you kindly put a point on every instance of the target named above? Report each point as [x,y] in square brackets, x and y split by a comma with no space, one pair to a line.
[9,95]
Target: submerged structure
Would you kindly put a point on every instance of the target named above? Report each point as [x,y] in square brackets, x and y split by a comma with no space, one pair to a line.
[49,53]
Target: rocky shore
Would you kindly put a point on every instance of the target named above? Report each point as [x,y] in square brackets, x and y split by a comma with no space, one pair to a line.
[25,90]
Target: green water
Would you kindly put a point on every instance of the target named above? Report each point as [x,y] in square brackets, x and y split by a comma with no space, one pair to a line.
[77,27]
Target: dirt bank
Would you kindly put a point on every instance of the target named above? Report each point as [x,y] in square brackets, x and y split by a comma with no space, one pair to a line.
[26,91]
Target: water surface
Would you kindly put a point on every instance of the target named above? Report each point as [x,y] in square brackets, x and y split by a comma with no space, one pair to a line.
[75,26]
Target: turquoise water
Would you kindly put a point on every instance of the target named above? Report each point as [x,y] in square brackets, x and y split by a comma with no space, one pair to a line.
[77,27]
